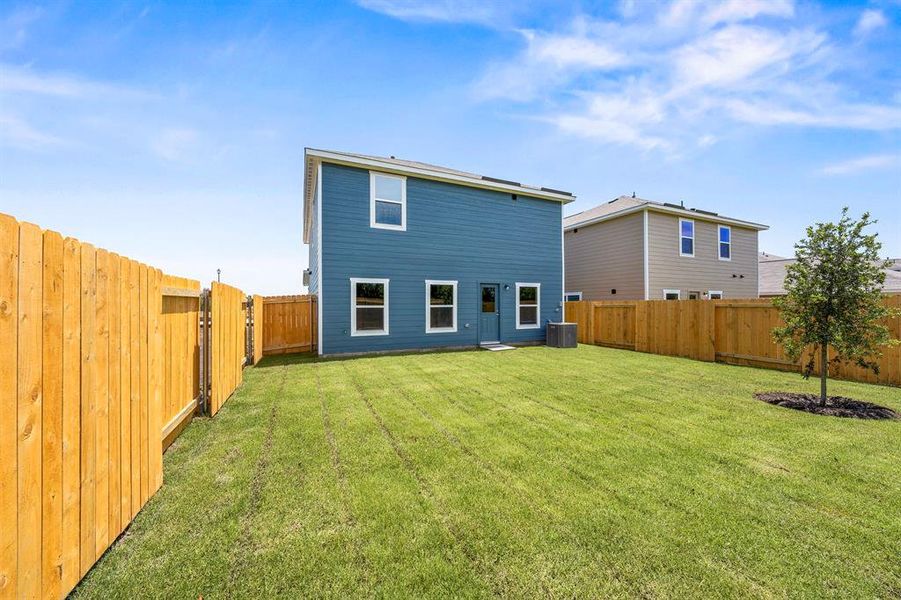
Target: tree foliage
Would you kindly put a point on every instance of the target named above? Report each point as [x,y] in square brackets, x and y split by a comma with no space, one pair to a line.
[834,298]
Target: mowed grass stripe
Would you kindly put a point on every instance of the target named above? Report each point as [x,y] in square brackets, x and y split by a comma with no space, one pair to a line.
[517,560]
[538,472]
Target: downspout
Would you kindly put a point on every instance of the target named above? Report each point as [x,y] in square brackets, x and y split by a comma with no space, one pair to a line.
[646,259]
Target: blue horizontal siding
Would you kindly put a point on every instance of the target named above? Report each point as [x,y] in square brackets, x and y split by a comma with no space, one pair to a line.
[453,232]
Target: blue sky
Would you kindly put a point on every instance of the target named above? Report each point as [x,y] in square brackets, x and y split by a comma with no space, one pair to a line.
[174,133]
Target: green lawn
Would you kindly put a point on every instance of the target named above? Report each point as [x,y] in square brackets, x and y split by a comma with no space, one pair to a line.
[537,472]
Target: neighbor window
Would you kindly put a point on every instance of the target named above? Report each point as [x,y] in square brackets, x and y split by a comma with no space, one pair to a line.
[368,306]
[441,306]
[715,295]
[725,242]
[671,294]
[528,305]
[387,201]
[686,237]
[694,295]
[572,296]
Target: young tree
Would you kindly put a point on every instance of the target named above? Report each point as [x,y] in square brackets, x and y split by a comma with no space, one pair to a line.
[834,298]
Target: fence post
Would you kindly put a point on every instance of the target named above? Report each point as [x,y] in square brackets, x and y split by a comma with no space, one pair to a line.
[641,325]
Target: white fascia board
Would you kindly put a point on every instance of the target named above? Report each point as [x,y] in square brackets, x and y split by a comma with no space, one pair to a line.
[388,167]
[687,214]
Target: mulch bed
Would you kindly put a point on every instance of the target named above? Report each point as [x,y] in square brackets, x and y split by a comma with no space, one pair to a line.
[835,406]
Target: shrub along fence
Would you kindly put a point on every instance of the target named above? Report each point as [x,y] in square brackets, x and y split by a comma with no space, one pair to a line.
[289,324]
[731,331]
[101,365]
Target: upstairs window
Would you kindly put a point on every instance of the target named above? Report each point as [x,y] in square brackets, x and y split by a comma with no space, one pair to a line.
[368,306]
[725,242]
[715,295]
[686,237]
[572,296]
[672,294]
[441,306]
[528,305]
[387,201]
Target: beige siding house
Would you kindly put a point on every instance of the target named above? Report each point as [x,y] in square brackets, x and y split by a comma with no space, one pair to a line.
[633,249]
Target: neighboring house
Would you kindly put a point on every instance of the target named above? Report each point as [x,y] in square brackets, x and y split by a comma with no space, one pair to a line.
[406,255]
[772,276]
[633,249]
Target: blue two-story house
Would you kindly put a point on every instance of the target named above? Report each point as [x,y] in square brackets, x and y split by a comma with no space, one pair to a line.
[406,255]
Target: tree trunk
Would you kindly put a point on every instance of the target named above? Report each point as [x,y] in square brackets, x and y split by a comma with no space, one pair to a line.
[824,371]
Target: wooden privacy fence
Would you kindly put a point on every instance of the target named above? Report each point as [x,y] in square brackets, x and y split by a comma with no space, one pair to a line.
[81,398]
[731,331]
[100,368]
[289,324]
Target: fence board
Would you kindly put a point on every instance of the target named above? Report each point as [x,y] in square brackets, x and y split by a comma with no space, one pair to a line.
[142,385]
[29,409]
[125,513]
[114,424]
[52,417]
[101,395]
[9,302]
[134,292]
[732,331]
[88,412]
[71,358]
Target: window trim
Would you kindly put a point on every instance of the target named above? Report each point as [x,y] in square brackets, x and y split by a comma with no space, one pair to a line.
[353,307]
[567,294]
[403,202]
[693,236]
[710,294]
[678,293]
[719,242]
[428,306]
[537,306]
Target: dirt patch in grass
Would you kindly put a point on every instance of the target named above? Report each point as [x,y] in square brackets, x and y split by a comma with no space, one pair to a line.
[835,406]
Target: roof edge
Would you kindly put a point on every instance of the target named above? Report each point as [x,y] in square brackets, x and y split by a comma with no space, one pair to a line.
[668,210]
[542,193]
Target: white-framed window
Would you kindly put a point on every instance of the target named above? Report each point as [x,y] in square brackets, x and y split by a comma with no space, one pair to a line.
[715,294]
[724,245]
[387,201]
[440,306]
[528,305]
[686,237]
[672,295]
[572,296]
[368,306]
[694,295]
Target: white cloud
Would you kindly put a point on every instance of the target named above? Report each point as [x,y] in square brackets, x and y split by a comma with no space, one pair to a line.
[176,144]
[447,11]
[733,11]
[17,80]
[834,114]
[652,80]
[734,53]
[864,163]
[17,133]
[548,60]
[870,20]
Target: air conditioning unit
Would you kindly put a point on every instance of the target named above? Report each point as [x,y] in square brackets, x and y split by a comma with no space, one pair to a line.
[562,335]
